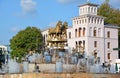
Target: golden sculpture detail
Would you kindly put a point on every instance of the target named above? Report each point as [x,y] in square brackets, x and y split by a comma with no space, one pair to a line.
[57,37]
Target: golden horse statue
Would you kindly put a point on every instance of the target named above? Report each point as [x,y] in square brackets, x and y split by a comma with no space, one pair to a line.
[57,29]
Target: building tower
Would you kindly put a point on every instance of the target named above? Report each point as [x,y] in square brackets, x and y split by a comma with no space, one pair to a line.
[89,32]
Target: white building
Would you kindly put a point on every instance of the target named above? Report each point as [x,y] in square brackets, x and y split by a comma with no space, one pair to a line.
[89,31]
[45,35]
[4,51]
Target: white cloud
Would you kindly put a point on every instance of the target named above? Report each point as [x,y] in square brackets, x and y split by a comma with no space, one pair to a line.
[28,6]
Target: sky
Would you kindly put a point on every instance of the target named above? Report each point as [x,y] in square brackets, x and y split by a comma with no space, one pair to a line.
[16,15]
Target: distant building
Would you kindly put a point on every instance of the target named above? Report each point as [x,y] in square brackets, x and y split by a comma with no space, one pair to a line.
[4,54]
[90,35]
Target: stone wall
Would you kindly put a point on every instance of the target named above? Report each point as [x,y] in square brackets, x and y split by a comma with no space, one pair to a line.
[51,67]
[59,75]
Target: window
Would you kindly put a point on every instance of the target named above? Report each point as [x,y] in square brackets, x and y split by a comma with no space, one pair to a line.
[69,34]
[108,56]
[76,44]
[91,9]
[95,43]
[88,20]
[83,31]
[80,42]
[95,54]
[79,33]
[94,9]
[83,43]
[77,22]
[94,32]
[101,21]
[108,45]
[108,34]
[92,20]
[75,32]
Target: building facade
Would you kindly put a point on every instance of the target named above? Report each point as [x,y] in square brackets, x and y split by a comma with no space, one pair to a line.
[88,31]
[89,34]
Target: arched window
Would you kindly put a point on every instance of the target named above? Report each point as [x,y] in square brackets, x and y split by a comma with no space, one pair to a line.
[95,32]
[75,32]
[95,20]
[90,31]
[83,43]
[91,20]
[79,33]
[80,42]
[99,32]
[76,44]
[88,20]
[83,31]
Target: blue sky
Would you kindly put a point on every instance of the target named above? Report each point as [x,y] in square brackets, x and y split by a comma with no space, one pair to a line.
[16,15]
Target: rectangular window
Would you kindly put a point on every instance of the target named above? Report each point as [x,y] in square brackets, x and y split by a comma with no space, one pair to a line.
[69,34]
[108,45]
[108,34]
[108,56]
[94,33]
[95,43]
[75,32]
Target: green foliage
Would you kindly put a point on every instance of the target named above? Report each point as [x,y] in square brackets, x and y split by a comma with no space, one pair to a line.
[25,41]
[112,16]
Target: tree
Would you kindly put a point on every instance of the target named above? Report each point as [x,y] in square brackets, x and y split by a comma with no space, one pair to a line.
[111,15]
[28,40]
